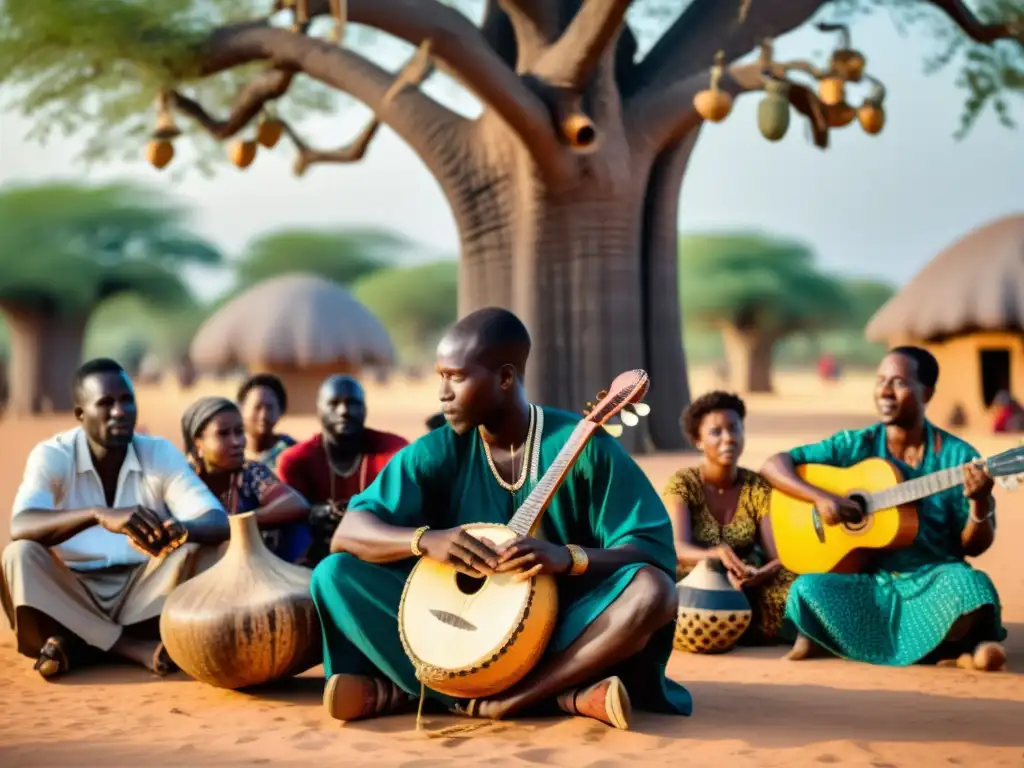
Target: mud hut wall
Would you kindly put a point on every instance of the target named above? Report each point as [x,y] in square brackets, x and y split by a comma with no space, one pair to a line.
[302,384]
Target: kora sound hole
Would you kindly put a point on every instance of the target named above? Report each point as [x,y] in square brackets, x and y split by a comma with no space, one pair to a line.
[469,585]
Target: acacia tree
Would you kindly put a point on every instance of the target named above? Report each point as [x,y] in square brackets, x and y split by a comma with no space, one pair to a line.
[758,291]
[415,303]
[565,190]
[343,255]
[67,248]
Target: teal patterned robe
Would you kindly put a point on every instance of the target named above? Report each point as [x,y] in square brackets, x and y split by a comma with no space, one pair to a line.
[443,480]
[901,612]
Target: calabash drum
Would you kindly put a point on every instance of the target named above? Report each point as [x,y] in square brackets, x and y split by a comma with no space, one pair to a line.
[712,613]
[248,620]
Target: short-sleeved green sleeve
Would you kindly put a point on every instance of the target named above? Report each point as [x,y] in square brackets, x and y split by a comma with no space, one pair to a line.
[843,449]
[625,508]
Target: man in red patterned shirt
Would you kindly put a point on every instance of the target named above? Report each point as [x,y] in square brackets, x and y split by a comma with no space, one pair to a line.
[336,464]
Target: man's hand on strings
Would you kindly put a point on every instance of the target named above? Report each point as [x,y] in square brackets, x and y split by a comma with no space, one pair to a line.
[463,552]
[527,557]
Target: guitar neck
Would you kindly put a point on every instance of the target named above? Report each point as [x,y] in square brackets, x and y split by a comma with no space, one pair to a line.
[540,497]
[919,488]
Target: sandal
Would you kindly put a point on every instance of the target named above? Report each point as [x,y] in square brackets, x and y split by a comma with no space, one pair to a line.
[53,659]
[163,664]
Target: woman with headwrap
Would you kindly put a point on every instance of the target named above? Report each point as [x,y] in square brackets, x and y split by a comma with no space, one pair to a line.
[214,439]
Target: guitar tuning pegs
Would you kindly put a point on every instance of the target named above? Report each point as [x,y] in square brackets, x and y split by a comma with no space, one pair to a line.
[629,418]
[1010,482]
[642,409]
[602,394]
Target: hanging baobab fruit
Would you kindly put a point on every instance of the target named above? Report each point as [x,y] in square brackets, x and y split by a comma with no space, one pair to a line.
[840,115]
[714,104]
[832,90]
[773,111]
[269,131]
[871,114]
[160,150]
[242,153]
[847,62]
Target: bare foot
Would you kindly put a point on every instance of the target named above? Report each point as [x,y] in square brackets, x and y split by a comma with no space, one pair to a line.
[150,654]
[488,709]
[357,697]
[804,648]
[606,701]
[989,657]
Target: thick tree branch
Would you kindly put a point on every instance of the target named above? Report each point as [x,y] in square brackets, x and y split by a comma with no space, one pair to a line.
[707,26]
[673,116]
[413,74]
[270,85]
[421,122]
[571,61]
[461,48]
[352,152]
[497,30]
[535,25]
[975,28]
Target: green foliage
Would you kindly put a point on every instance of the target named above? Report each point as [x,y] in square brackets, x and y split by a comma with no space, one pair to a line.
[127,324]
[989,75]
[98,64]
[865,297]
[752,281]
[67,247]
[95,66]
[726,278]
[415,303]
[342,255]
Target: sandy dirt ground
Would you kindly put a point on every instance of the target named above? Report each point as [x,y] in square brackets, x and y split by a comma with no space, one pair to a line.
[751,707]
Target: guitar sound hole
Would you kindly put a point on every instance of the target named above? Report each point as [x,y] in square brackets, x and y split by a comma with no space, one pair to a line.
[468,585]
[862,504]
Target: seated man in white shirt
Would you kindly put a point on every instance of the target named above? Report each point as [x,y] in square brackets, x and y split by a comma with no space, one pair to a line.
[71,575]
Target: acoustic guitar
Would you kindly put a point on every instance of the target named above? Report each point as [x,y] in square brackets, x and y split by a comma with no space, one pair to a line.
[474,637]
[806,545]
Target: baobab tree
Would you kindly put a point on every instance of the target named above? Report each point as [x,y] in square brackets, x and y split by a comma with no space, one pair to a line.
[65,249]
[565,189]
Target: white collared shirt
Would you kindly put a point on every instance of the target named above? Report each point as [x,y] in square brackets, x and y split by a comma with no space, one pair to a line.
[60,474]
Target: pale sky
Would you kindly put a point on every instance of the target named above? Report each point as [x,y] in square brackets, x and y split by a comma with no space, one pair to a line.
[879,206]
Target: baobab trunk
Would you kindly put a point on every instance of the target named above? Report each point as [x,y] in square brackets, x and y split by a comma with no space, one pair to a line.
[749,354]
[46,348]
[581,269]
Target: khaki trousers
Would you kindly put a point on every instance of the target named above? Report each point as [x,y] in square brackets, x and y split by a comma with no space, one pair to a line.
[93,605]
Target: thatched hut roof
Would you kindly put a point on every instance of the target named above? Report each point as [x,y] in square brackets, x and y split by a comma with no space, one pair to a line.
[976,284]
[294,321]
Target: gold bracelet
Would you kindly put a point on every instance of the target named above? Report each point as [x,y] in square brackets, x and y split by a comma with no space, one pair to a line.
[414,545]
[580,561]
